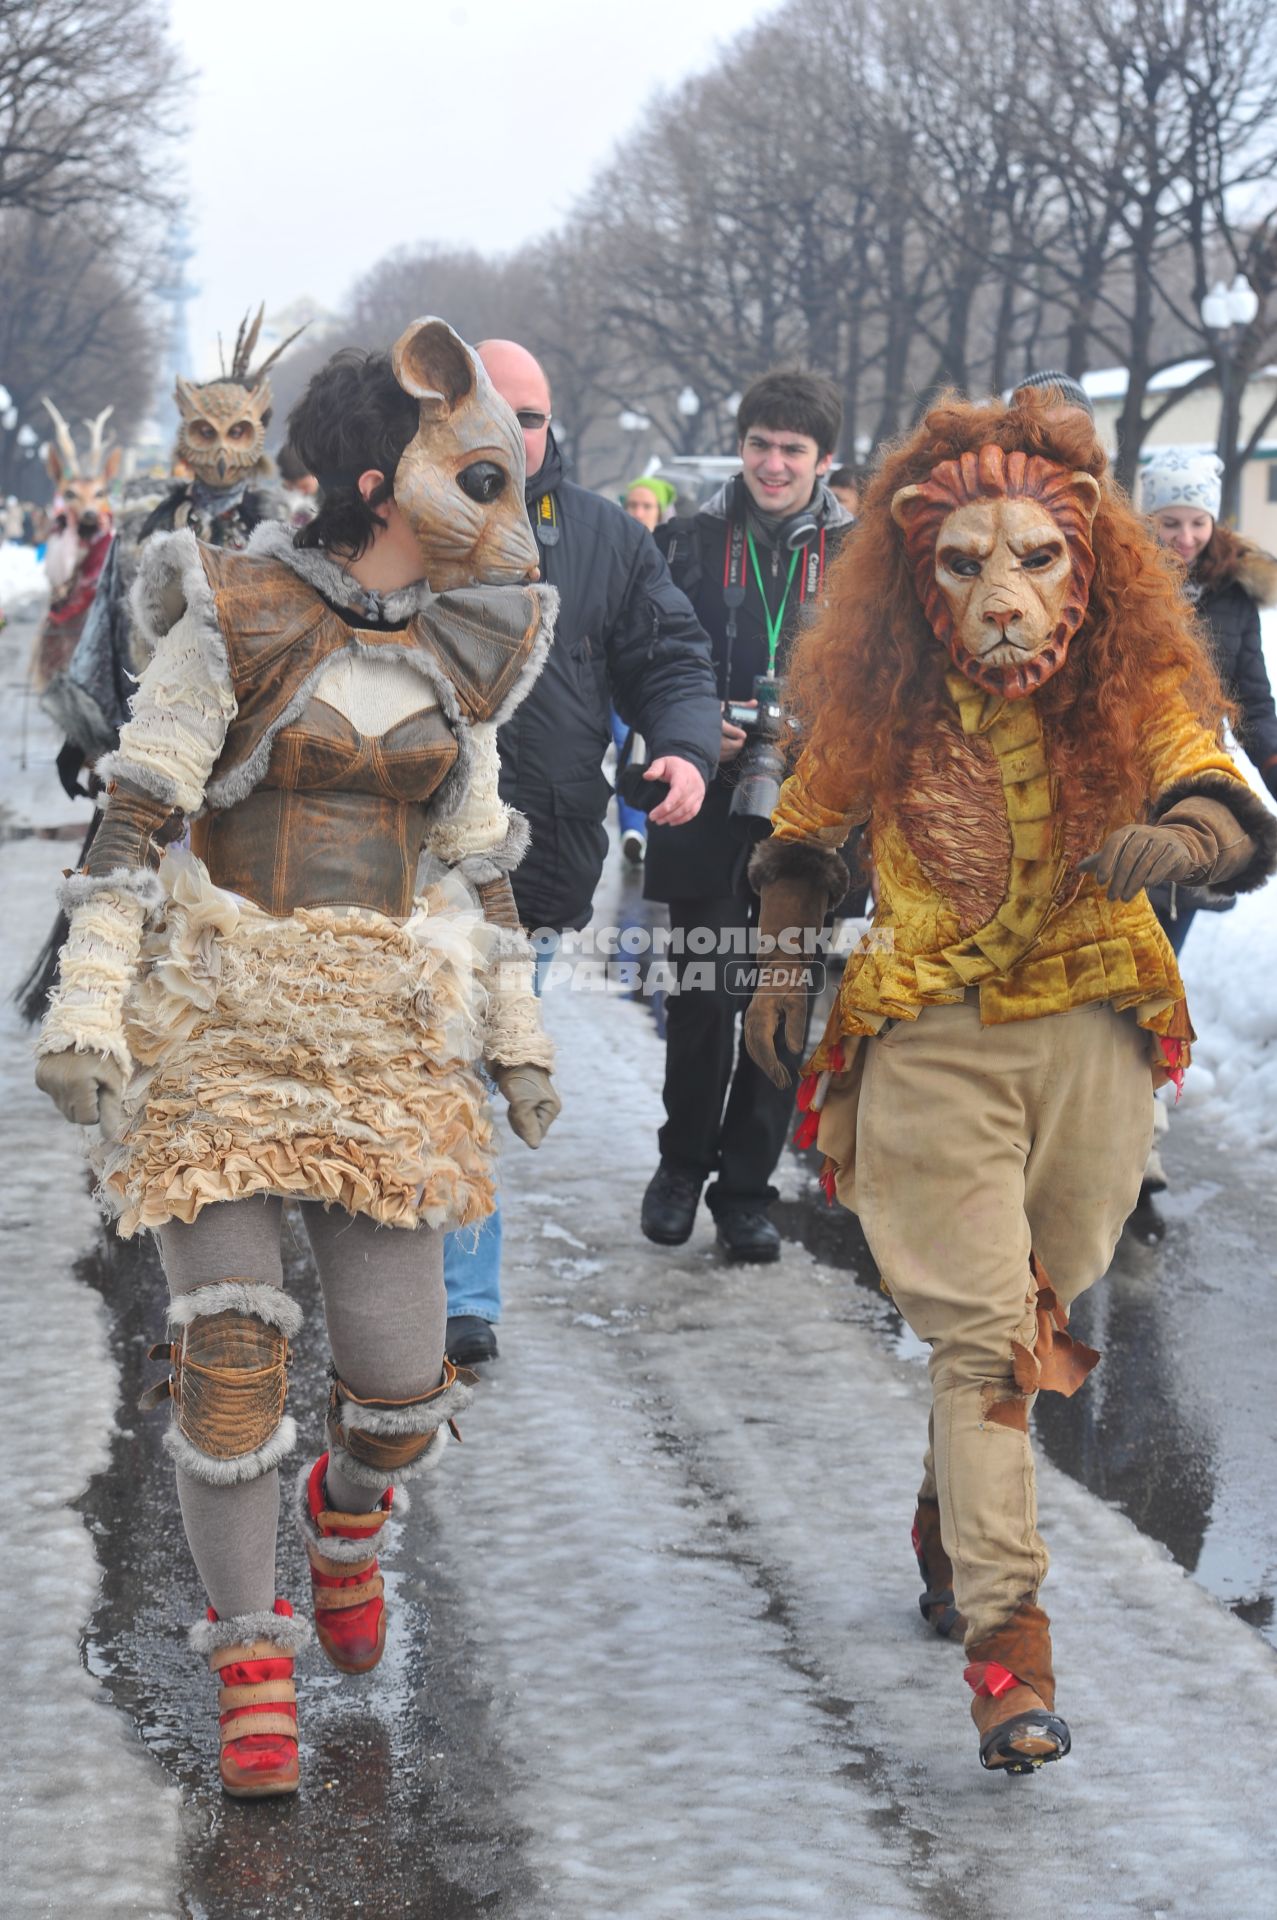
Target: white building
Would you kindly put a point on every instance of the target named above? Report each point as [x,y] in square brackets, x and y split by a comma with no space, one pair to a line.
[1194,422]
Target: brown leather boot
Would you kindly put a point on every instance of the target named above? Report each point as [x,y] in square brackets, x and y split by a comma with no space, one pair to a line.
[936,1604]
[1011,1676]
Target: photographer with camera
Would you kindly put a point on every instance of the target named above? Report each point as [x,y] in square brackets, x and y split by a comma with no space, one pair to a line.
[750,560]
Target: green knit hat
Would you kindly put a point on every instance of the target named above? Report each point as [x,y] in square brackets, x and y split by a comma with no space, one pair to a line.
[664,491]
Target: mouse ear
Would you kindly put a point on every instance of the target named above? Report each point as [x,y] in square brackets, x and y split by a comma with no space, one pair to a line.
[434,365]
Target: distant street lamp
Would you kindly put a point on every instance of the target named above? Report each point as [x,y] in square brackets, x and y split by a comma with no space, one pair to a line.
[689,406]
[1226,313]
[631,422]
[27,438]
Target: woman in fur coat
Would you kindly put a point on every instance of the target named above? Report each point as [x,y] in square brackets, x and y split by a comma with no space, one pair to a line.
[1228,579]
[284,1011]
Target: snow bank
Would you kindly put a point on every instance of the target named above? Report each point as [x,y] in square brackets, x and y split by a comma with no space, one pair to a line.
[1230,970]
[90,1824]
[22,578]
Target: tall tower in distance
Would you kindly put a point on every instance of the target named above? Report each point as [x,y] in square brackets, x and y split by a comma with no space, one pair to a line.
[177,292]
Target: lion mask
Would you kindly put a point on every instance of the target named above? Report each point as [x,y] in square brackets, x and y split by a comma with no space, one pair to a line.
[1000,546]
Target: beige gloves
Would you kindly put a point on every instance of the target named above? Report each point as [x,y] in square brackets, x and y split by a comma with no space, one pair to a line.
[1198,842]
[85,1087]
[533,1104]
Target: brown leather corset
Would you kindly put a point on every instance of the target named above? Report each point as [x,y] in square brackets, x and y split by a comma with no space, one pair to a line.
[339,819]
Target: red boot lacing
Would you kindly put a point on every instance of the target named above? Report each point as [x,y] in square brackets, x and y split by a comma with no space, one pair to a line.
[257,1707]
[350,1611]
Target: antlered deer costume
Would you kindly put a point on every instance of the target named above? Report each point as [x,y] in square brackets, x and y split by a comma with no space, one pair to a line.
[280,1013]
[1005,685]
[80,543]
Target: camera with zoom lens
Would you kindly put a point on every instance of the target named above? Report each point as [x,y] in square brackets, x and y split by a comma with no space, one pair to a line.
[760,768]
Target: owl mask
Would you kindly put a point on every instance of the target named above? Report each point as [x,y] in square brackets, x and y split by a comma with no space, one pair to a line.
[222,434]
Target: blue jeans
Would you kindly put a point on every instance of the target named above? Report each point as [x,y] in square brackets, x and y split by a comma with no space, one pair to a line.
[632,820]
[472,1256]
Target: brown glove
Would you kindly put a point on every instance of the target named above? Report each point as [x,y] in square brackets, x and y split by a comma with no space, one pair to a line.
[533,1104]
[85,1087]
[1198,842]
[797,885]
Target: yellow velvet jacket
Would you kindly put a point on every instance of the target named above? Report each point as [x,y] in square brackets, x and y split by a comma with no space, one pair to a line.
[977,881]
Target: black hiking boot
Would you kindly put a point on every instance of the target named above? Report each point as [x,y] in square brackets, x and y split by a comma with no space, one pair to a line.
[669,1206]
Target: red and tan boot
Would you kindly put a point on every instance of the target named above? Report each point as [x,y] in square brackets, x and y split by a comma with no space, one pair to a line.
[252,1655]
[348,1590]
[1011,1676]
[936,1603]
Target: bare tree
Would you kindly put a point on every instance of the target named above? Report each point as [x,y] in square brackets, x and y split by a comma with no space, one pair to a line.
[75,324]
[86,88]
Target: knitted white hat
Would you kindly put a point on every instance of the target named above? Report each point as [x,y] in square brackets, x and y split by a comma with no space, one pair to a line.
[1183,477]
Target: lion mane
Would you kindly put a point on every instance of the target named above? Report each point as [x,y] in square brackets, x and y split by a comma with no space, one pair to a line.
[866,686]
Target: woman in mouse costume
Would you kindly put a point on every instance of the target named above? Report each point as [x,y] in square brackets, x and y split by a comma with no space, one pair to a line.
[280,1013]
[1005,684]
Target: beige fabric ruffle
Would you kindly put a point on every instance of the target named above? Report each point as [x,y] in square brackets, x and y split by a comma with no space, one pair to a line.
[325,1056]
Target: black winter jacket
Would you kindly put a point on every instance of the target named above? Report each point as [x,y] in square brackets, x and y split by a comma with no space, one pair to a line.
[706,859]
[625,634]
[1229,610]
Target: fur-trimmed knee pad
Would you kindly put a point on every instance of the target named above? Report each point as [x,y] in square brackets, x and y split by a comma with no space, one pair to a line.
[378,1443]
[229,1380]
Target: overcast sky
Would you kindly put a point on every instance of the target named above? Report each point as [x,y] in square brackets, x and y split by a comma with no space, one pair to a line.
[324,133]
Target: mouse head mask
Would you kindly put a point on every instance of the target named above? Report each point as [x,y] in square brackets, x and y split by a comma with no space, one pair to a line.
[459,482]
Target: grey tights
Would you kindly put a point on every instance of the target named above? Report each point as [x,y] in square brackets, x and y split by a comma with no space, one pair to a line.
[385,1308]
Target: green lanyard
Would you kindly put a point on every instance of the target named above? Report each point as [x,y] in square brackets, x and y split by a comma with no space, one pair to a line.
[774,622]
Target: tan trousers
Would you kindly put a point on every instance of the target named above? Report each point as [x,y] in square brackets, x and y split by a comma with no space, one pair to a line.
[972,1146]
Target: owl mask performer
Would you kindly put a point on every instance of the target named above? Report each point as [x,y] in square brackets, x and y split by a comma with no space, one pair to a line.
[280,1013]
[1005,685]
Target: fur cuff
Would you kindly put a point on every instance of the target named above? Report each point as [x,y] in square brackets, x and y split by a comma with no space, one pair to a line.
[482,868]
[364,1476]
[118,766]
[419,1416]
[291,1635]
[270,1304]
[241,1466]
[138,883]
[1247,809]
[350,1553]
[802,860]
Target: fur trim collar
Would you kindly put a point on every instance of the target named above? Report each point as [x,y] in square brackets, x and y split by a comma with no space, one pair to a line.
[274,541]
[1257,573]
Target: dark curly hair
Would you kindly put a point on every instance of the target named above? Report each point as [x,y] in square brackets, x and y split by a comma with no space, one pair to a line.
[789,401]
[353,415]
[867,682]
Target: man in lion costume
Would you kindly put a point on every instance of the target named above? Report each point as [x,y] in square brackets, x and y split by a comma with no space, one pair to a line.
[1006,685]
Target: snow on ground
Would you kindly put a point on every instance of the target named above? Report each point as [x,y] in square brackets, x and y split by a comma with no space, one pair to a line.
[685,1500]
[1229,965]
[79,1786]
[23,584]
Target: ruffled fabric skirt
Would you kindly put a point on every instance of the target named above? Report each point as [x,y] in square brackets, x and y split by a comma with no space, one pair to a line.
[326,1056]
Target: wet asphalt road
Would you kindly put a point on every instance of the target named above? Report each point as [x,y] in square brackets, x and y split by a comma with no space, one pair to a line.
[384,1827]
[406,1783]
